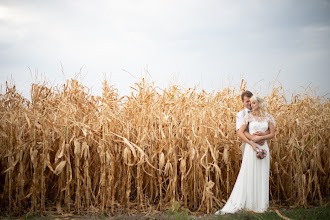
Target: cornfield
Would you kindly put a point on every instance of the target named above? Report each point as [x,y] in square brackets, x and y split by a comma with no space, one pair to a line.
[66,150]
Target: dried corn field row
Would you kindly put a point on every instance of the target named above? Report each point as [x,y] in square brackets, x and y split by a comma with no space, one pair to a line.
[67,150]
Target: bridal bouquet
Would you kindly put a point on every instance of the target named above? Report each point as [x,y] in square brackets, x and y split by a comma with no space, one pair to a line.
[261,154]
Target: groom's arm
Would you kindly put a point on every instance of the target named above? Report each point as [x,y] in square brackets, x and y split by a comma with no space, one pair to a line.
[251,137]
[268,136]
[248,135]
[260,133]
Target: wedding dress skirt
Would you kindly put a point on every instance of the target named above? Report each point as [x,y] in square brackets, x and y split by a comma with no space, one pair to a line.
[251,190]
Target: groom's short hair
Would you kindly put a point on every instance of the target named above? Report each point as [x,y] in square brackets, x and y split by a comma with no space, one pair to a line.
[246,93]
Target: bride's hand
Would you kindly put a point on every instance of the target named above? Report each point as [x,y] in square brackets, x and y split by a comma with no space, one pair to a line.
[257,139]
[254,147]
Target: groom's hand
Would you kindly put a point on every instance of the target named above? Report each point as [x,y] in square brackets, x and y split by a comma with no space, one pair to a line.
[258,140]
[259,133]
[261,142]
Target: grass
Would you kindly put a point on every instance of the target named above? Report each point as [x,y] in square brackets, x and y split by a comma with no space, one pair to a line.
[296,213]
[177,213]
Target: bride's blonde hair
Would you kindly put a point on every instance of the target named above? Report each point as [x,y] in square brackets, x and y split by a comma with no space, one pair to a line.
[262,103]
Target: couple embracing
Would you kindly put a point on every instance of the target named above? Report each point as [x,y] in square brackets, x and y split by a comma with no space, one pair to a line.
[255,126]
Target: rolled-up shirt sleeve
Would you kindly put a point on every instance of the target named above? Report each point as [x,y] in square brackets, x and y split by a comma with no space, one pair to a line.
[239,120]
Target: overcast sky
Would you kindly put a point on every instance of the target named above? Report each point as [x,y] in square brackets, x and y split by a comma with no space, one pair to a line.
[211,44]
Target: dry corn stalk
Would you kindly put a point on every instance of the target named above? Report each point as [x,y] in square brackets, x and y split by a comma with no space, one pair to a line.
[150,148]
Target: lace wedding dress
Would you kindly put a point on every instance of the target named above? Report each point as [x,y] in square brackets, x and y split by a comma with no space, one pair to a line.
[251,190]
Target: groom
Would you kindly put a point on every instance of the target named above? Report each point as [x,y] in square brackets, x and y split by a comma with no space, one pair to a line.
[246,95]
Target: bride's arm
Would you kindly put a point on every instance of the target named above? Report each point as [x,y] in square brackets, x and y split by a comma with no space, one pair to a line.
[244,138]
[248,135]
[268,136]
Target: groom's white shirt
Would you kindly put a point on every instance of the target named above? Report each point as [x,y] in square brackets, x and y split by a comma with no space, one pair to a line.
[239,117]
[239,121]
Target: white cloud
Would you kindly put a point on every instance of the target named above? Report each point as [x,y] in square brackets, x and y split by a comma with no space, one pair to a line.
[196,40]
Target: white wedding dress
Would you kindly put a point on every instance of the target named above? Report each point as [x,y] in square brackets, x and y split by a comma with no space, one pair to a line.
[251,190]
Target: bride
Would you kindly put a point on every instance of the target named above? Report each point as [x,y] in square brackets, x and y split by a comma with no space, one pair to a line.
[251,190]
